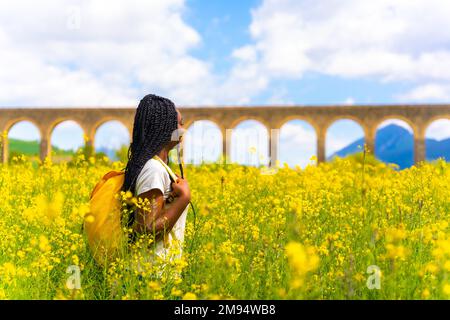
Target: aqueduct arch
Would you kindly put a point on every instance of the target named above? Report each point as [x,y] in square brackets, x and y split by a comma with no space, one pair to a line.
[273,117]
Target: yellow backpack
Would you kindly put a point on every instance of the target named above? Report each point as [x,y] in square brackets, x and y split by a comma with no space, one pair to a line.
[104,231]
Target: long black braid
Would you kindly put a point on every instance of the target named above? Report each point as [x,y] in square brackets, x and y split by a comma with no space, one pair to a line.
[155,120]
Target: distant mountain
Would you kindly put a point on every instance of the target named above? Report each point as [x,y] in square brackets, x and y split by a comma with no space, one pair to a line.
[395,144]
[436,148]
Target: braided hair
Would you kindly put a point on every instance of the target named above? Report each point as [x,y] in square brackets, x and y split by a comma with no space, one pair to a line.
[155,120]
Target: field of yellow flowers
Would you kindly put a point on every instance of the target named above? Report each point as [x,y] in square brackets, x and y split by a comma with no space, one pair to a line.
[348,229]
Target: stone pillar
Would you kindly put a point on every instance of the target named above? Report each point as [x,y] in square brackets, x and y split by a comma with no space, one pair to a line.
[419,142]
[321,136]
[89,130]
[5,147]
[89,147]
[370,139]
[274,140]
[89,142]
[45,149]
[419,149]
[226,145]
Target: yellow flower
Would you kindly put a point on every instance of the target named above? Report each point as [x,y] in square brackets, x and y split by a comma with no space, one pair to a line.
[442,248]
[447,265]
[44,244]
[189,296]
[255,232]
[89,219]
[431,267]
[176,292]
[425,293]
[395,234]
[359,277]
[446,289]
[128,195]
[20,254]
[9,269]
[277,163]
[396,252]
[338,212]
[153,285]
[302,260]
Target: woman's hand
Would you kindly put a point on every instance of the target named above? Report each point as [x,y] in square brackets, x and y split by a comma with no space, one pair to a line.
[180,188]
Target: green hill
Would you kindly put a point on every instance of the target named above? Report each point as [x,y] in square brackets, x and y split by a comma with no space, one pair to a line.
[28,148]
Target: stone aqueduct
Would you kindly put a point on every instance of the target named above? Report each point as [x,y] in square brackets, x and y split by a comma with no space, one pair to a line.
[226,118]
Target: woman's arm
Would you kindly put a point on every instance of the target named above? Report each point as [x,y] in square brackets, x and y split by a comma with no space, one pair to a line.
[157,219]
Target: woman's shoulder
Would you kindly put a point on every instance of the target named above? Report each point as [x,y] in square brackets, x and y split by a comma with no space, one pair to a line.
[153,165]
[153,174]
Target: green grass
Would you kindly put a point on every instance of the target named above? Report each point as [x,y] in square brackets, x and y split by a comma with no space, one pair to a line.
[17,146]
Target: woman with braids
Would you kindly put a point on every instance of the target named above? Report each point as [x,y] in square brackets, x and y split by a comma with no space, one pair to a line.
[156,120]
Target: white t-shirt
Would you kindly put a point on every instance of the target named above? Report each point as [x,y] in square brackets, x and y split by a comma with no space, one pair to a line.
[154,175]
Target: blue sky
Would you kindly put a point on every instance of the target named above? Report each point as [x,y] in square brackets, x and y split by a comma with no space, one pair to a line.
[198,52]
[223,26]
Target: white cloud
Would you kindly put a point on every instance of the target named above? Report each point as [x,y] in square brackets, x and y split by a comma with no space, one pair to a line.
[280,97]
[298,143]
[385,40]
[103,53]
[334,144]
[295,134]
[349,101]
[342,133]
[24,130]
[112,135]
[246,53]
[111,54]
[427,93]
[439,129]
[67,135]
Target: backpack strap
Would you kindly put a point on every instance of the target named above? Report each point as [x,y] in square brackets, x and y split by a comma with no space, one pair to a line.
[172,175]
[173,178]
